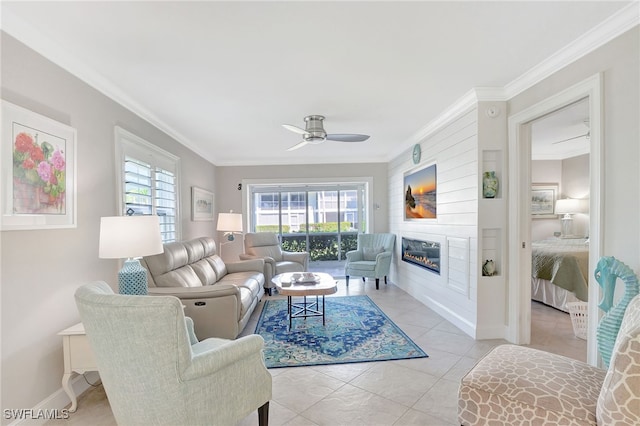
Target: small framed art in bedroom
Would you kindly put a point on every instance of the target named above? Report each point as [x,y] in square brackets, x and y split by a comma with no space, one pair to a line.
[543,200]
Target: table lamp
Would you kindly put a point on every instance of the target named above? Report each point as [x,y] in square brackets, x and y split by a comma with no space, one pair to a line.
[230,223]
[569,206]
[127,237]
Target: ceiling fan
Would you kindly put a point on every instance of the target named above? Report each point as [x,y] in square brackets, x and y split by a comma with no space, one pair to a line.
[586,135]
[314,133]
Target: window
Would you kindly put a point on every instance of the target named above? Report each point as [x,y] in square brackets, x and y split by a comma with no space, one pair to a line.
[148,182]
[323,219]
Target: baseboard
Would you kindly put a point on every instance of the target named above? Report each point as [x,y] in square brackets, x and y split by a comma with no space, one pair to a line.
[56,405]
[451,316]
[495,332]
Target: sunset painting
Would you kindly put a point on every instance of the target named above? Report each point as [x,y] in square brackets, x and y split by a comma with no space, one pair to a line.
[420,194]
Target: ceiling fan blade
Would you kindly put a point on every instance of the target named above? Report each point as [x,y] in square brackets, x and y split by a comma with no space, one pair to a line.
[347,137]
[300,145]
[570,139]
[294,129]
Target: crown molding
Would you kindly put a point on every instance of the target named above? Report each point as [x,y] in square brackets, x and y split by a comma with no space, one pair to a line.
[60,56]
[465,104]
[614,26]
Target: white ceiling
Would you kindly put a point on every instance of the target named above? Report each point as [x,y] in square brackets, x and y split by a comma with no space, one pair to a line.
[222,77]
[562,134]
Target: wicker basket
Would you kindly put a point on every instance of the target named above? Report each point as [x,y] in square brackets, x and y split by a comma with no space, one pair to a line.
[578,312]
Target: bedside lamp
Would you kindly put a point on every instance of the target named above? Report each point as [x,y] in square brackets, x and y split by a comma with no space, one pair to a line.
[126,237]
[569,206]
[230,223]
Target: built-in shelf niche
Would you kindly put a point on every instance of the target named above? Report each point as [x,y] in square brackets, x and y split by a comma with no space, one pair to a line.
[492,249]
[492,162]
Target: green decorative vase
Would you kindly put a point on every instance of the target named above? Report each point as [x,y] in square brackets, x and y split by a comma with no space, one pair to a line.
[489,185]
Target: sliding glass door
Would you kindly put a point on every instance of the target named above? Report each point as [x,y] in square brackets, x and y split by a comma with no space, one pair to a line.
[323,219]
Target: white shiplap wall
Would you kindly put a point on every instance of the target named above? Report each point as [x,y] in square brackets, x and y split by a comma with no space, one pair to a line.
[454,150]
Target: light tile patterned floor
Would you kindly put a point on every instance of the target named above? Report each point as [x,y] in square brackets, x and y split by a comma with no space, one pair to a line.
[405,392]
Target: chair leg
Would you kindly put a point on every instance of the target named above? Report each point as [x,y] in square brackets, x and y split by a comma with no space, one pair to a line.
[377,283]
[363,279]
[263,414]
[347,279]
[385,280]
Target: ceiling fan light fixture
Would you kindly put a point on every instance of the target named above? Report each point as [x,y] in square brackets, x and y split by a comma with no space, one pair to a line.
[314,133]
[314,139]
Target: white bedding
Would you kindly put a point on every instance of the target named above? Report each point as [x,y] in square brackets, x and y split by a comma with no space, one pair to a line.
[550,294]
[545,291]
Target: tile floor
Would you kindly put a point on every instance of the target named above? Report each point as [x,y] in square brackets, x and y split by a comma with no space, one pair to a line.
[406,392]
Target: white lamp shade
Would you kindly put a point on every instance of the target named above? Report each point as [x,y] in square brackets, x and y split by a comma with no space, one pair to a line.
[129,236]
[229,222]
[571,206]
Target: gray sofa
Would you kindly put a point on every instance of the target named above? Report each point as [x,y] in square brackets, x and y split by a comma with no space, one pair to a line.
[218,297]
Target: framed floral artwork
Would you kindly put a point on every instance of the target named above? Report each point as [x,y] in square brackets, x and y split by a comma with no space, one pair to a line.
[202,204]
[38,165]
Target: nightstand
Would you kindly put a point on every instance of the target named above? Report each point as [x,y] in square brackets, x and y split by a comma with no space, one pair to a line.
[78,357]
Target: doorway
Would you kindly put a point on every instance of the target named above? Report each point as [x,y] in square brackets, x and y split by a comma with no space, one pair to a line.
[559,175]
[520,144]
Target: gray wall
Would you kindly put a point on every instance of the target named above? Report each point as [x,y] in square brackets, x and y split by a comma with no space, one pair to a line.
[41,269]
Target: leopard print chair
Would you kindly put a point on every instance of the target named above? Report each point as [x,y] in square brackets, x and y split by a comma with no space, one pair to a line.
[514,385]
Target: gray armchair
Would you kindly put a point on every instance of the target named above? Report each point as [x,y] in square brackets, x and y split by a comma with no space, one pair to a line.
[372,259]
[265,245]
[155,371]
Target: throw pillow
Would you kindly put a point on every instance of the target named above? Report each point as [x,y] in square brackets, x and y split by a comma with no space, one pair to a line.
[370,253]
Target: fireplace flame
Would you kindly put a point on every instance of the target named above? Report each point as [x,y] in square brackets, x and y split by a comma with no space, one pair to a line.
[423,260]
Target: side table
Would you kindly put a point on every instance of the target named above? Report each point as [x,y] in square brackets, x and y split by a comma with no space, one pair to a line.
[78,357]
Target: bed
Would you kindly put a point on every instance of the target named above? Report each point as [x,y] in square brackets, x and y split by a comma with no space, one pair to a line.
[559,271]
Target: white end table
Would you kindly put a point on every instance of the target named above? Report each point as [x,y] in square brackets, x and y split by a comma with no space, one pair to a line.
[78,357]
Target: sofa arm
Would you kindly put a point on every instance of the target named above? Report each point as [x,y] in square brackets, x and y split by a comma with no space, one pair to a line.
[215,309]
[256,265]
[301,257]
[267,259]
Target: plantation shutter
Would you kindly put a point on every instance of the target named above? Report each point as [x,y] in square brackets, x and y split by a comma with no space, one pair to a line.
[149,182]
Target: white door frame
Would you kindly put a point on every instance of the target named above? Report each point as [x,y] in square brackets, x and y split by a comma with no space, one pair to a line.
[519,261]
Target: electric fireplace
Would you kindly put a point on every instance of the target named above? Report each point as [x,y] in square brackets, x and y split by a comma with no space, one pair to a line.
[425,254]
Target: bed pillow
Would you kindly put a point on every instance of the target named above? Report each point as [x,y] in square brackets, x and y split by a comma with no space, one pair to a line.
[370,253]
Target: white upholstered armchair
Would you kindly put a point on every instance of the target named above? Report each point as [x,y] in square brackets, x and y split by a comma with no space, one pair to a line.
[372,258]
[155,371]
[265,245]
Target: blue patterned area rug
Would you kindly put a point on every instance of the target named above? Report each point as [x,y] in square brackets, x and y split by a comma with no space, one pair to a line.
[356,330]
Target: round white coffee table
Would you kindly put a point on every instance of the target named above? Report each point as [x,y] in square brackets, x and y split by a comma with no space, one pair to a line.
[322,285]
